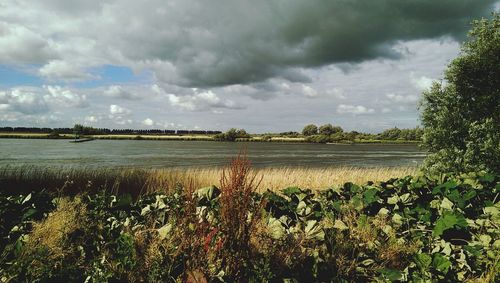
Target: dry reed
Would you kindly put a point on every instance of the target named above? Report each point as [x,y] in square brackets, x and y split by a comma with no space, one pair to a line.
[282,177]
[136,181]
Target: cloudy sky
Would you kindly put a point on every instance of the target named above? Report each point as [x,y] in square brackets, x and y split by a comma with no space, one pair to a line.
[262,65]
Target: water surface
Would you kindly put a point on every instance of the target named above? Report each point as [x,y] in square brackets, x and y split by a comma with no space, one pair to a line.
[157,154]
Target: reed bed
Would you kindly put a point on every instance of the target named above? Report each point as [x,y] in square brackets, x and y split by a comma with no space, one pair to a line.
[138,181]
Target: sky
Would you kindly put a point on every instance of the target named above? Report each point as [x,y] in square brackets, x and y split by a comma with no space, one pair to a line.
[261,65]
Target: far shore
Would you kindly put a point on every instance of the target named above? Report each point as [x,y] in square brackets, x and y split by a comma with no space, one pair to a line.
[255,138]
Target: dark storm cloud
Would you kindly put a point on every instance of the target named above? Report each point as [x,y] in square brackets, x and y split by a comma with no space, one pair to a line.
[235,42]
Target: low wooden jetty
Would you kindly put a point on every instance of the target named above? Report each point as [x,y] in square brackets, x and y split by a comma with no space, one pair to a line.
[82,140]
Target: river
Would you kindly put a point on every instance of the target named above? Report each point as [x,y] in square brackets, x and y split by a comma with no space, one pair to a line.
[157,154]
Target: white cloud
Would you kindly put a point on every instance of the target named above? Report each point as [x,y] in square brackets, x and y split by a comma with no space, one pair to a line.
[91,119]
[148,122]
[21,44]
[309,91]
[201,101]
[354,109]
[118,110]
[118,91]
[59,70]
[421,83]
[60,97]
[23,100]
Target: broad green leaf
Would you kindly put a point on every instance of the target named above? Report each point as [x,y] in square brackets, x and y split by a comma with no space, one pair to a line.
[314,230]
[275,228]
[370,196]
[485,240]
[291,191]
[393,200]
[487,178]
[391,274]
[396,218]
[446,204]
[339,224]
[165,231]
[30,212]
[145,210]
[441,263]
[423,261]
[447,221]
[383,211]
[123,201]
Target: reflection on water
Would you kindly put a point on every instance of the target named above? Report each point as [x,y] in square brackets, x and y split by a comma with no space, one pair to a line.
[117,153]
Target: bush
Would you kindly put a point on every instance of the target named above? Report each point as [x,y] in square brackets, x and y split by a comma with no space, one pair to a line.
[310,130]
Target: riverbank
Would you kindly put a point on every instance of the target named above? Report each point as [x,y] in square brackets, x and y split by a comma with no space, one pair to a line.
[256,138]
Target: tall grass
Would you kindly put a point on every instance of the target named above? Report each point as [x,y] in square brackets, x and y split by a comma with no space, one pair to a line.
[137,181]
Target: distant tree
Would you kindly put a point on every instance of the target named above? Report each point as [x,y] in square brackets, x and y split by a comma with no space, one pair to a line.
[231,135]
[329,129]
[350,136]
[390,134]
[461,117]
[310,130]
[241,133]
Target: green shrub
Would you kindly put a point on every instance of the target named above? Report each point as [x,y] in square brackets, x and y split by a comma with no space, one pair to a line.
[461,117]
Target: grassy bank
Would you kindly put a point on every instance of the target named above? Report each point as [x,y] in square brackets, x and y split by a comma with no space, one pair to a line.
[418,229]
[136,181]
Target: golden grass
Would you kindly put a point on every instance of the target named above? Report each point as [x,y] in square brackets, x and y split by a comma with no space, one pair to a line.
[53,231]
[279,178]
[136,181]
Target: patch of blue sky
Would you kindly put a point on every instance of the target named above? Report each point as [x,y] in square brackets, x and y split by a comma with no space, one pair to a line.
[11,76]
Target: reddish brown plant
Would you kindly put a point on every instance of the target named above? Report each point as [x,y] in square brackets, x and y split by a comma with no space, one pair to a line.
[238,214]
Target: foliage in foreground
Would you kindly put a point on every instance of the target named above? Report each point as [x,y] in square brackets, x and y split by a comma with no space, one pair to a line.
[420,228]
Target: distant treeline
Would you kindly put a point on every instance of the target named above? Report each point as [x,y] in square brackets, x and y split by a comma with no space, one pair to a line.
[103,131]
[330,133]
